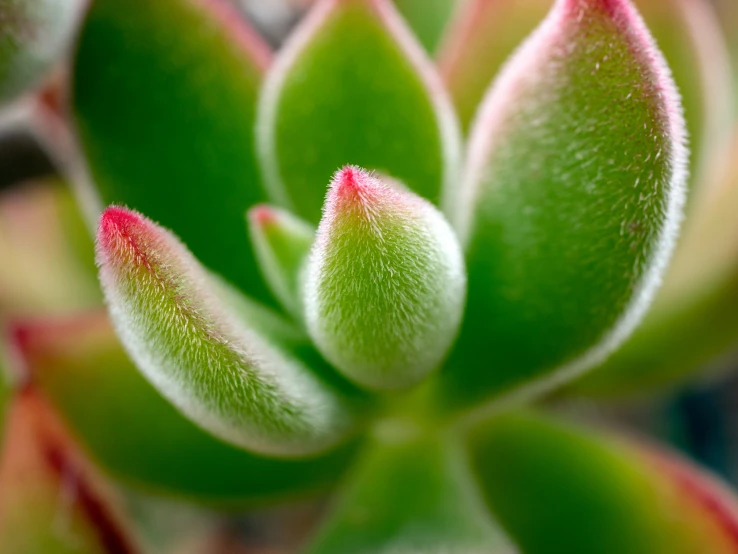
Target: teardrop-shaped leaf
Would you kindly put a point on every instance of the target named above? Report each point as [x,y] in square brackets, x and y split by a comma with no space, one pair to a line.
[195,349]
[691,325]
[49,503]
[573,196]
[281,243]
[411,495]
[139,437]
[385,283]
[351,86]
[559,489]
[164,98]
[33,35]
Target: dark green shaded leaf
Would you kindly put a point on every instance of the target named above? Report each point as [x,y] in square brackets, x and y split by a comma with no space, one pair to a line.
[164,97]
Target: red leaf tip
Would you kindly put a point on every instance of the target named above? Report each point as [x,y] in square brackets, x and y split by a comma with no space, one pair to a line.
[124,234]
[612,8]
[118,220]
[352,182]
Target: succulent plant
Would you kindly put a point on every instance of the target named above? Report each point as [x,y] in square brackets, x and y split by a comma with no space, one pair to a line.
[344,267]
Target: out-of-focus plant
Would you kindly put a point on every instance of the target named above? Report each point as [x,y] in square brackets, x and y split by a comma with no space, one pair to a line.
[340,266]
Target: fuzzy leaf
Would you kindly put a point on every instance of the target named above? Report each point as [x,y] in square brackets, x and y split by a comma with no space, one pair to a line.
[573,197]
[408,496]
[33,35]
[558,489]
[351,86]
[138,436]
[385,283]
[164,98]
[193,347]
[48,503]
[691,324]
[281,243]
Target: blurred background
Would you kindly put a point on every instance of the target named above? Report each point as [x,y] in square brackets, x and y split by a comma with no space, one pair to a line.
[47,261]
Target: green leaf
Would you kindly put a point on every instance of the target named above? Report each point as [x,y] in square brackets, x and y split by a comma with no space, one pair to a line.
[352,87]
[281,243]
[137,436]
[205,358]
[558,489]
[49,501]
[164,99]
[410,493]
[427,18]
[573,196]
[691,325]
[33,35]
[385,283]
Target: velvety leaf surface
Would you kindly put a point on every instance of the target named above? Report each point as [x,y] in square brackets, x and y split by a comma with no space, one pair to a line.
[213,365]
[48,505]
[558,489]
[164,97]
[409,495]
[138,436]
[427,18]
[281,243]
[352,87]
[573,196]
[385,283]
[33,35]
[691,323]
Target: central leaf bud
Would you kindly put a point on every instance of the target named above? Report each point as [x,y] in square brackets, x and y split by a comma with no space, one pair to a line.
[385,282]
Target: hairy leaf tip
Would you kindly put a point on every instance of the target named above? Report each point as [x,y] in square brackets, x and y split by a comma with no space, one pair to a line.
[385,283]
[197,346]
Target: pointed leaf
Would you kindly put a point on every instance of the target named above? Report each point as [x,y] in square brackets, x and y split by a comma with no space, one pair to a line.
[164,99]
[351,86]
[559,489]
[385,283]
[33,35]
[137,435]
[192,346]
[573,197]
[407,496]
[281,243]
[49,503]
